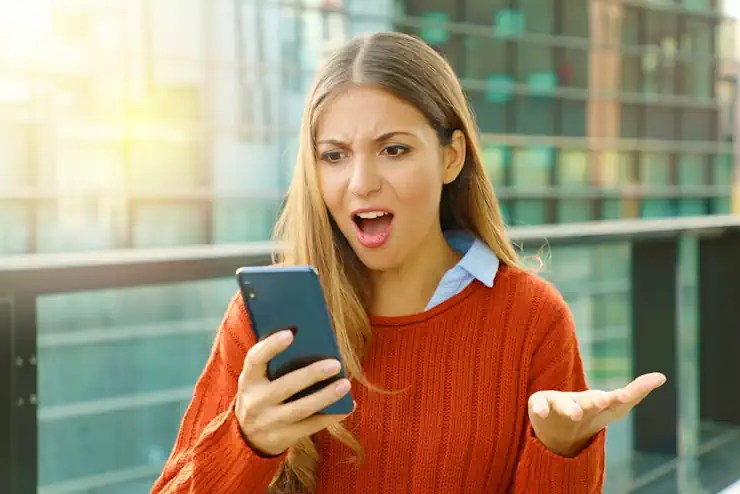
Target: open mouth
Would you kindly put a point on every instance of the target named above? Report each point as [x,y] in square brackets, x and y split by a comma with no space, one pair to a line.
[373,222]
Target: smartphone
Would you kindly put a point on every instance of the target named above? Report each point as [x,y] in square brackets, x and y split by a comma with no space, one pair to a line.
[291,297]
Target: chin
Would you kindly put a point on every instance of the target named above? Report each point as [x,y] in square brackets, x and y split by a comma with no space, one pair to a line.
[378,259]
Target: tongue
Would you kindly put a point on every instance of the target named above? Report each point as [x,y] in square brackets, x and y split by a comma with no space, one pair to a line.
[375,226]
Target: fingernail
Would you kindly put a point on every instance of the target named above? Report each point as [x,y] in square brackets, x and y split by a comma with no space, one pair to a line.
[342,386]
[286,336]
[331,368]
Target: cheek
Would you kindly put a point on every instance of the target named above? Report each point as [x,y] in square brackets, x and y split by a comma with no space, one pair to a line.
[420,190]
[331,189]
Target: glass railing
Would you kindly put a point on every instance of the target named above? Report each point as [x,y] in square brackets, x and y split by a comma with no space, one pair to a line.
[102,351]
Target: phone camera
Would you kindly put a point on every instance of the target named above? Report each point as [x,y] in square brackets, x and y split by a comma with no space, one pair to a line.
[249,291]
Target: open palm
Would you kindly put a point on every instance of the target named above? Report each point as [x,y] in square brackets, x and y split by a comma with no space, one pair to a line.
[565,421]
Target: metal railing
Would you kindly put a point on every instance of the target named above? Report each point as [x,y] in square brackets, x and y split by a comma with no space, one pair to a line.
[661,330]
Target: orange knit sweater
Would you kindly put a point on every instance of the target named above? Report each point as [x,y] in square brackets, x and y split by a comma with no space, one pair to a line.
[467,367]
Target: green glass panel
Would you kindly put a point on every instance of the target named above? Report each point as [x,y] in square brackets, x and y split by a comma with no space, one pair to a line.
[691,169]
[655,170]
[539,15]
[434,27]
[509,22]
[115,373]
[499,88]
[496,159]
[14,230]
[530,212]
[616,169]
[722,169]
[657,208]
[573,210]
[698,5]
[532,167]
[721,206]
[164,225]
[573,169]
[691,207]
[611,209]
[244,220]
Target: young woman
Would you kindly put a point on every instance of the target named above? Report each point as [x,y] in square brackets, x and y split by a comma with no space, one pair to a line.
[466,371]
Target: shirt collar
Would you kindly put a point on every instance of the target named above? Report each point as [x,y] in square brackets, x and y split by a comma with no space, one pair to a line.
[478,260]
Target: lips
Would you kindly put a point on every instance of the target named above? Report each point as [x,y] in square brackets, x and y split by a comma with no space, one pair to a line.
[372,226]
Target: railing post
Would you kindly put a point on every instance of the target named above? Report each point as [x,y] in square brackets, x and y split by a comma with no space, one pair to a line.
[18,424]
[719,341]
[6,391]
[654,320]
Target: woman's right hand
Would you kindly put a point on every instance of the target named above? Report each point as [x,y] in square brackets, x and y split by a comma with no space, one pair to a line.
[269,425]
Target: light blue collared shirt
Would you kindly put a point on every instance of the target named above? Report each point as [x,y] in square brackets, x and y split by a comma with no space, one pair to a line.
[478,263]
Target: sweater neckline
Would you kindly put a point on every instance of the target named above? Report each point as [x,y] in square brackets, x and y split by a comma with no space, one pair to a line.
[382,323]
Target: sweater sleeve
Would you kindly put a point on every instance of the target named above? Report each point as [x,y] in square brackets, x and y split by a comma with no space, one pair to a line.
[557,365]
[210,454]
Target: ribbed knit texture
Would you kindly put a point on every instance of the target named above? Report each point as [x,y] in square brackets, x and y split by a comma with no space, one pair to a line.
[456,421]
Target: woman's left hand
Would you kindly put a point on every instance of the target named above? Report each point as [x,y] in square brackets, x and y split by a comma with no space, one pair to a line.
[565,422]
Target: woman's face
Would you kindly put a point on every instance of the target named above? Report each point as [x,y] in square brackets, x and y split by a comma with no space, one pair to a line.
[381,169]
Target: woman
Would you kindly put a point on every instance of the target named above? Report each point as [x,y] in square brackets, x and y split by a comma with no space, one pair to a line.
[467,374]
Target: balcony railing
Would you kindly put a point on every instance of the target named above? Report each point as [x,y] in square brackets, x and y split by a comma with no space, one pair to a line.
[99,351]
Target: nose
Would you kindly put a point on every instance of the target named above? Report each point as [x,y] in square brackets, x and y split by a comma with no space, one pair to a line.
[365,178]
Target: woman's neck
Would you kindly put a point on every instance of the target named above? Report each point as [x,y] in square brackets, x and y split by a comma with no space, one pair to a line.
[408,288]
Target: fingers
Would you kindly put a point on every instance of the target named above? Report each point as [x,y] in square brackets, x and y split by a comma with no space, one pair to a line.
[595,400]
[539,404]
[298,380]
[255,363]
[637,390]
[544,403]
[313,424]
[306,407]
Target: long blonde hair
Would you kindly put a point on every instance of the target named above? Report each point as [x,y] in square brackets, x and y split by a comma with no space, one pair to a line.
[412,71]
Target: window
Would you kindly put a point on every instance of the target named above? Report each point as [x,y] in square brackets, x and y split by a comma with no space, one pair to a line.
[532,167]
[631,121]
[656,175]
[660,122]
[539,16]
[535,114]
[691,173]
[699,124]
[697,73]
[573,171]
[661,47]
[496,160]
[575,18]
[573,68]
[573,117]
[698,5]
[492,103]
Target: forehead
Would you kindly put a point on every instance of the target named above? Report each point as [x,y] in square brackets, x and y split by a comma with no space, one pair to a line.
[367,111]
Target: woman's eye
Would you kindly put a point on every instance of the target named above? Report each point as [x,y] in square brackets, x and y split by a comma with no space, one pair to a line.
[395,150]
[332,156]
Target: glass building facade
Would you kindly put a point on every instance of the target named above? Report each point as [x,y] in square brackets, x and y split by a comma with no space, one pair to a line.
[143,123]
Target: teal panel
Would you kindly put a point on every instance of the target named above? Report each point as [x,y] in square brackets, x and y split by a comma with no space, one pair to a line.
[496,160]
[532,167]
[691,170]
[657,208]
[530,212]
[573,210]
[434,28]
[612,209]
[691,207]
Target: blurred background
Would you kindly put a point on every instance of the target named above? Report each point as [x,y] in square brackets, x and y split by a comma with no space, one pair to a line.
[133,131]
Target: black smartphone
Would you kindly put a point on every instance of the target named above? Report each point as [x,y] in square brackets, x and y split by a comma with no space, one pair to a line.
[291,297]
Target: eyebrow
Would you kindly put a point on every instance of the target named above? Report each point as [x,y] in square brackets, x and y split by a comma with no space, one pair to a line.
[380,138]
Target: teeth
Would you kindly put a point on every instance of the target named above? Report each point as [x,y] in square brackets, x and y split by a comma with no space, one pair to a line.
[372,215]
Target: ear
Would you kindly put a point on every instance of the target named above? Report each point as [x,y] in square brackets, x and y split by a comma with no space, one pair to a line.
[454,157]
